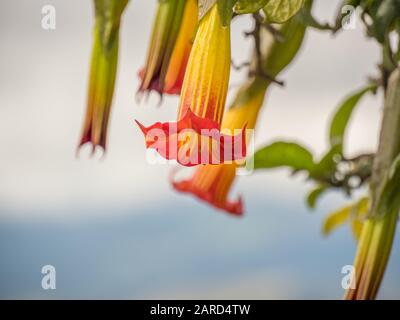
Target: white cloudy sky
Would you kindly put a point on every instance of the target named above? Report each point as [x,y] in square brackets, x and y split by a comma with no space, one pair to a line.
[43,76]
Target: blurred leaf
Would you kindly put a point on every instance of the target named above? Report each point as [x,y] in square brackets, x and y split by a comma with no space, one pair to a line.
[390,199]
[277,55]
[314,195]
[361,212]
[284,154]
[225,8]
[394,169]
[342,116]
[354,214]
[324,168]
[384,18]
[249,6]
[279,11]
[336,219]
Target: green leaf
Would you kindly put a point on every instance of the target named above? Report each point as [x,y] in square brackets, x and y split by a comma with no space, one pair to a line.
[324,168]
[279,11]
[395,168]
[387,12]
[225,8]
[342,116]
[390,195]
[249,6]
[336,219]
[205,6]
[277,55]
[354,214]
[284,154]
[314,195]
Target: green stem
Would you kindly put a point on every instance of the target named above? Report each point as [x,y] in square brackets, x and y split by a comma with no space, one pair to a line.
[379,229]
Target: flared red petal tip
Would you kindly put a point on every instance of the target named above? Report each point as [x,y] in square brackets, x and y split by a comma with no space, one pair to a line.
[156,86]
[141,127]
[234,208]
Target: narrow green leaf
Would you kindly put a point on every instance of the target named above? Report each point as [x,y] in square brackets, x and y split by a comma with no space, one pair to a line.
[387,12]
[395,168]
[359,214]
[336,219]
[277,55]
[279,11]
[314,195]
[354,214]
[284,154]
[324,168]
[390,194]
[343,114]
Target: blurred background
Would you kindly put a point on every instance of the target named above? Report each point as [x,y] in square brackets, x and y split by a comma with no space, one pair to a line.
[114,228]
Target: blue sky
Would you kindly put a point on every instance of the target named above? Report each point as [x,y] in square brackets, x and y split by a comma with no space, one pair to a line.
[184,251]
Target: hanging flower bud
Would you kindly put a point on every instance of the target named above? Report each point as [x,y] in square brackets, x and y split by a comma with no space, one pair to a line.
[171,42]
[103,71]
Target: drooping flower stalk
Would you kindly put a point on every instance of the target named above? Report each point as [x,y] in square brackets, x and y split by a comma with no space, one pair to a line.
[171,42]
[202,102]
[212,184]
[379,229]
[103,71]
